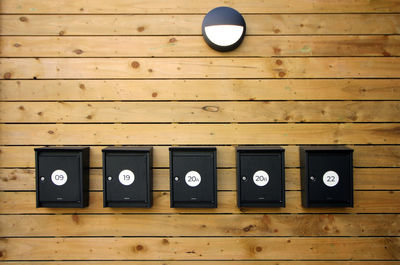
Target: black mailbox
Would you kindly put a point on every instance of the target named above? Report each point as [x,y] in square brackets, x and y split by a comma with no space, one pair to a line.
[260,176]
[193,177]
[62,177]
[326,176]
[127,176]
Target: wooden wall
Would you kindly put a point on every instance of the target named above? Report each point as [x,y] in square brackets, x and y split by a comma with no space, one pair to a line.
[132,72]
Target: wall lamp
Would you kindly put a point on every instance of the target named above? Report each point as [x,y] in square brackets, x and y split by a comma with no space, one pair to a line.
[223,29]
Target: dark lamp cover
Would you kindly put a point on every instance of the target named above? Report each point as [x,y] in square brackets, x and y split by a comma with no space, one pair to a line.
[223,29]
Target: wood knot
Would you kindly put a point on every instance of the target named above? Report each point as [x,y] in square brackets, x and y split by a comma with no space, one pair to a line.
[89,117]
[258,249]
[278,62]
[40,113]
[17,45]
[135,64]
[289,241]
[165,241]
[21,107]
[282,74]
[1,253]
[172,40]
[81,86]
[23,19]
[78,51]
[277,50]
[61,33]
[210,108]
[154,95]
[248,228]
[140,29]
[150,70]
[386,54]
[277,31]
[50,132]
[139,247]
[81,9]
[75,218]
[7,75]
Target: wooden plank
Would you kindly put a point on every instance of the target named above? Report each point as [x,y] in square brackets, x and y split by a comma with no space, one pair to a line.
[230,262]
[200,225]
[285,89]
[210,111]
[133,68]
[364,156]
[364,179]
[100,25]
[338,248]
[182,6]
[364,202]
[209,134]
[193,46]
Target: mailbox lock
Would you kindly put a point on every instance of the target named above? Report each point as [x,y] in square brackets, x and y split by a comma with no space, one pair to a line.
[42,178]
[176,178]
[109,178]
[244,178]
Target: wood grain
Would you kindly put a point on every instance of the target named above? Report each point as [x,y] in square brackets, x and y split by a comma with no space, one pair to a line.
[339,248]
[194,46]
[242,262]
[63,25]
[200,225]
[133,68]
[182,6]
[209,134]
[266,111]
[134,72]
[364,156]
[284,89]
[364,202]
[364,179]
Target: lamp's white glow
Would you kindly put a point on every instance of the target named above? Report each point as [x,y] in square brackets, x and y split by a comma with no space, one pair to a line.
[224,35]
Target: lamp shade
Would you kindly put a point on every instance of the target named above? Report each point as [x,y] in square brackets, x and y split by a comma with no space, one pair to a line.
[223,29]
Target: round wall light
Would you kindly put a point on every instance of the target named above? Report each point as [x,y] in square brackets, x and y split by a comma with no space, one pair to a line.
[223,29]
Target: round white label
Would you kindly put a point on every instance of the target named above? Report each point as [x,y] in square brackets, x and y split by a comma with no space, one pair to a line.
[193,178]
[330,178]
[59,177]
[261,178]
[126,177]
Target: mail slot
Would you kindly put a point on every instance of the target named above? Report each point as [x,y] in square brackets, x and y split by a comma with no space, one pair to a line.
[62,177]
[127,176]
[260,176]
[326,176]
[193,177]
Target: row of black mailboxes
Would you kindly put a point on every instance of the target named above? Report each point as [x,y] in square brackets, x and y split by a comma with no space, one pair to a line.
[62,176]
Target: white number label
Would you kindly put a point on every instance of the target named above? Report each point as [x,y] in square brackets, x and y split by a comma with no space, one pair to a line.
[330,178]
[59,177]
[126,177]
[261,178]
[193,178]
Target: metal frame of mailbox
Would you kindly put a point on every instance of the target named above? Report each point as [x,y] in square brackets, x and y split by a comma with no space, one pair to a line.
[84,155]
[128,149]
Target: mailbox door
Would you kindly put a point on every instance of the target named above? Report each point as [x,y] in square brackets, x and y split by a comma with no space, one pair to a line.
[188,188]
[123,186]
[329,177]
[69,191]
[259,187]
